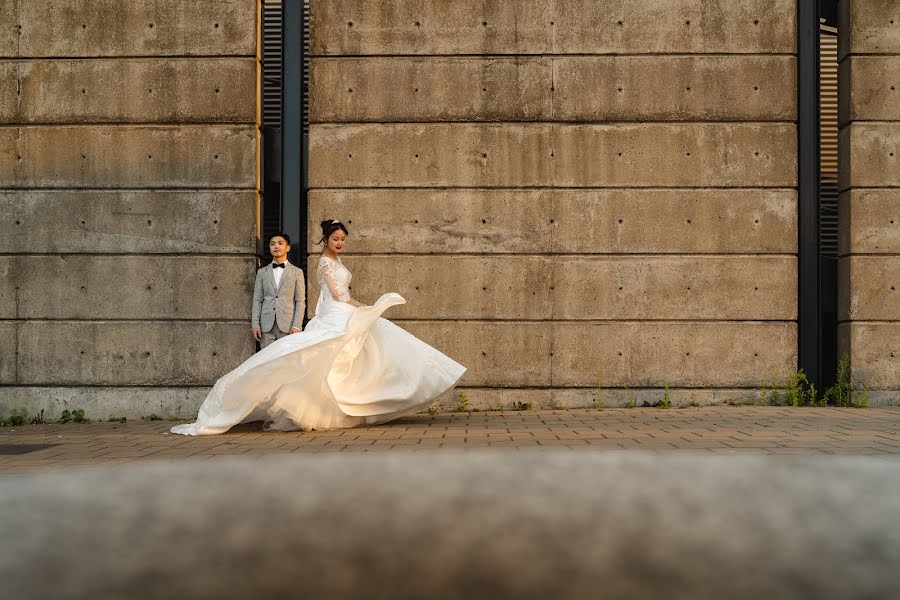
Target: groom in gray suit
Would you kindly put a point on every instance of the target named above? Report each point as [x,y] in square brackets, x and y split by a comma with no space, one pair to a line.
[279,297]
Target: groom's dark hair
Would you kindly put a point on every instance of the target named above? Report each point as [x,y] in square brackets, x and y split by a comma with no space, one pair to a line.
[287,239]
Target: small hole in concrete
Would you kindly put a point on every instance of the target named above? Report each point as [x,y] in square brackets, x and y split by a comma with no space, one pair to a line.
[18,223]
[417,221]
[756,154]
[552,221]
[756,21]
[620,23]
[484,23]
[417,156]
[349,156]
[552,155]
[146,354]
[82,351]
[216,156]
[83,26]
[620,354]
[484,221]
[149,287]
[83,156]
[484,353]
[82,222]
[349,90]
[215,25]
[149,91]
[149,222]
[215,287]
[483,89]
[688,153]
[756,354]
[619,153]
[620,288]
[687,22]
[756,220]
[215,353]
[82,288]
[688,88]
[349,23]
[483,155]
[84,91]
[217,90]
[151,25]
[755,88]
[418,24]
[620,221]
[484,289]
[417,90]
[149,156]
[216,222]
[688,221]
[417,287]
[619,89]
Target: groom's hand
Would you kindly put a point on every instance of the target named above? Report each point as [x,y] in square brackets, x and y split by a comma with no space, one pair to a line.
[257,334]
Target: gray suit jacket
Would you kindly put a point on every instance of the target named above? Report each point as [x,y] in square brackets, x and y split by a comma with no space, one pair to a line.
[284,305]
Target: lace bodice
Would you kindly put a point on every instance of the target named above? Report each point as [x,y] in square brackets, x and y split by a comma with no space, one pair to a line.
[334,279]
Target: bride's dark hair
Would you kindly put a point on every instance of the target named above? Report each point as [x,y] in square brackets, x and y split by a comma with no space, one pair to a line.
[329,227]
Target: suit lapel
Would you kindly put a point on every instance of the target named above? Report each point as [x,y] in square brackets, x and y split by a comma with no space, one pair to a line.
[271,276]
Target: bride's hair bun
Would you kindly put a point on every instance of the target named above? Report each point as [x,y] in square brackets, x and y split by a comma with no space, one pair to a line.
[329,226]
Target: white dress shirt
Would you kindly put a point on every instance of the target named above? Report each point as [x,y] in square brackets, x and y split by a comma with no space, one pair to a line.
[277,273]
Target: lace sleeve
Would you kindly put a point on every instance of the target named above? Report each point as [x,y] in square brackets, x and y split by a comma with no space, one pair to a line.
[326,276]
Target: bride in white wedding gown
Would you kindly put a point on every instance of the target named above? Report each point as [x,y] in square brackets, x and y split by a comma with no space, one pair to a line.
[349,367]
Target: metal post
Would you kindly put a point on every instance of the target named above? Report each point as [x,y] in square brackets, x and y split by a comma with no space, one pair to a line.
[292,175]
[808,188]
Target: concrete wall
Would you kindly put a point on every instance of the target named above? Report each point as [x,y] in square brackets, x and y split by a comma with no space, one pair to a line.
[128,189]
[570,195]
[869,267]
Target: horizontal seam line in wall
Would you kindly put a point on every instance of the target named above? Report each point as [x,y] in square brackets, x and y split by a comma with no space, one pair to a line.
[605,387]
[102,385]
[126,57]
[848,55]
[863,321]
[49,124]
[111,190]
[564,188]
[595,321]
[893,254]
[513,56]
[123,320]
[845,124]
[551,122]
[545,187]
[184,57]
[150,254]
[570,254]
[125,189]
[118,125]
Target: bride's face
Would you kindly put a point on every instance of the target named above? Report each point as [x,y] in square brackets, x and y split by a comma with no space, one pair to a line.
[336,241]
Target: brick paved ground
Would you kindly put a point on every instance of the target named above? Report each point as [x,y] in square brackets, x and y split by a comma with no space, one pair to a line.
[727,430]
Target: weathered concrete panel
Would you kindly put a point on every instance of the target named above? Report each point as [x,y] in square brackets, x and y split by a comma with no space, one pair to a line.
[86,353]
[8,352]
[136,156]
[869,27]
[358,27]
[439,221]
[539,154]
[453,287]
[495,353]
[870,155]
[675,221]
[869,288]
[870,221]
[105,402]
[429,89]
[653,287]
[128,287]
[158,90]
[869,89]
[9,21]
[429,155]
[10,282]
[146,28]
[133,221]
[8,155]
[728,155]
[663,88]
[436,221]
[677,354]
[371,27]
[674,26]
[8,93]
[874,353]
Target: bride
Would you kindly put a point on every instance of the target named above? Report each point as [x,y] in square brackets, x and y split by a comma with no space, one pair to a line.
[349,367]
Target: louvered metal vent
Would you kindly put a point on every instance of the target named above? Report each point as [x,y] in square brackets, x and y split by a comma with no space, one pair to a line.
[272,61]
[828,140]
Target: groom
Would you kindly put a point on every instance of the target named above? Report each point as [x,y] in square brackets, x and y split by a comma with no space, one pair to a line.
[279,297]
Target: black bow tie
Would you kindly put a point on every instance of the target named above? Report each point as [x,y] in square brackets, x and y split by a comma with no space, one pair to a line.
[278,265]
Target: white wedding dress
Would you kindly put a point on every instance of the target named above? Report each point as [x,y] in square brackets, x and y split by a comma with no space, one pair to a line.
[349,367]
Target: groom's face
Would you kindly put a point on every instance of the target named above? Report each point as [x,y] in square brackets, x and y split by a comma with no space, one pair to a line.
[278,248]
